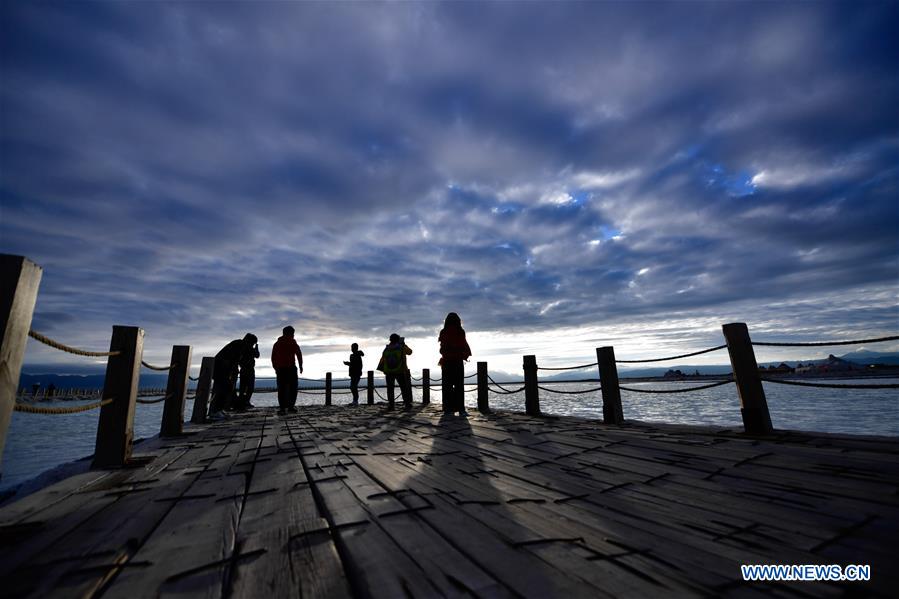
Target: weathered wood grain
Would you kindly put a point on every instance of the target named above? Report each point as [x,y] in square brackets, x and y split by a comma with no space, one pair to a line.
[337,502]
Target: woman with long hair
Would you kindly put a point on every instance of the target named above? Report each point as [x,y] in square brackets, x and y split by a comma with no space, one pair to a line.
[454,351]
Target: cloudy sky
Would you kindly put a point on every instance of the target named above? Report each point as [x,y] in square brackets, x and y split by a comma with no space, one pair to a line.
[563,175]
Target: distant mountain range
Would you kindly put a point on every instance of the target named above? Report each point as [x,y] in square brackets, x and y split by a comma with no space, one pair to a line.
[861,358]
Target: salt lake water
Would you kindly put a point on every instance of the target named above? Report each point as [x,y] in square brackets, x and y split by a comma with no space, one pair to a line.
[36,442]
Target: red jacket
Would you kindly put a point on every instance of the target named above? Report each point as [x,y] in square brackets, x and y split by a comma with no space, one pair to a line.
[283,352]
[453,346]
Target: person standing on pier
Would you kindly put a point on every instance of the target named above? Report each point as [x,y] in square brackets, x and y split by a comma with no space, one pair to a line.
[393,365]
[454,352]
[224,374]
[247,379]
[355,365]
[283,354]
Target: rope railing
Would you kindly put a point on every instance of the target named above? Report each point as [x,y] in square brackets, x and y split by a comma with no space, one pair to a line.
[152,401]
[193,378]
[508,391]
[826,343]
[152,367]
[709,386]
[490,378]
[32,409]
[566,367]
[324,392]
[72,350]
[695,353]
[832,385]
[470,375]
[593,390]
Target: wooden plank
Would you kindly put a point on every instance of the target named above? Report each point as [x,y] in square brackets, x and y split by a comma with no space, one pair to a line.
[280,517]
[105,531]
[439,563]
[354,502]
[193,548]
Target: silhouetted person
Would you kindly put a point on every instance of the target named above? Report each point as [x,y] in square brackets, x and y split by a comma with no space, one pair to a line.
[34,389]
[355,365]
[247,379]
[51,390]
[283,354]
[224,375]
[454,351]
[393,365]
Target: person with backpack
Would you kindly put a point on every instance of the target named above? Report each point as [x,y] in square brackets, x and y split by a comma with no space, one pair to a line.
[454,352]
[393,365]
[355,365]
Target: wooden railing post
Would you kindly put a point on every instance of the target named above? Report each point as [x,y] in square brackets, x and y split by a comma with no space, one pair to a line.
[531,394]
[753,405]
[483,400]
[204,385]
[371,387]
[115,428]
[19,281]
[612,412]
[327,388]
[175,391]
[426,386]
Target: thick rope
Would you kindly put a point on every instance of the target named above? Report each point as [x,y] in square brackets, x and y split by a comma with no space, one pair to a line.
[831,385]
[193,378]
[566,367]
[470,375]
[152,401]
[378,393]
[569,392]
[490,378]
[508,391]
[696,353]
[31,409]
[718,384]
[72,350]
[826,343]
[151,367]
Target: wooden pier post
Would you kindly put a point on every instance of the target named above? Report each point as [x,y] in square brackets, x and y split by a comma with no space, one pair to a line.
[483,400]
[175,392]
[531,393]
[371,387]
[612,412]
[426,386]
[19,281]
[115,429]
[204,385]
[753,405]
[327,388]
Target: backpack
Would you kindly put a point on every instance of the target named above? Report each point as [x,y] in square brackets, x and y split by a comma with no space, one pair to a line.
[393,360]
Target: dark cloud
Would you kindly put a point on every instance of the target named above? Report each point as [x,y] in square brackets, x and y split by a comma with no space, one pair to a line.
[204,169]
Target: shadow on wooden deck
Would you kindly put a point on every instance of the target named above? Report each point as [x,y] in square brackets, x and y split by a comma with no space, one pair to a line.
[337,501]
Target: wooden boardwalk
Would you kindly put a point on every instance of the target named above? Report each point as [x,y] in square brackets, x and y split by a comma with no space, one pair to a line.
[338,501]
